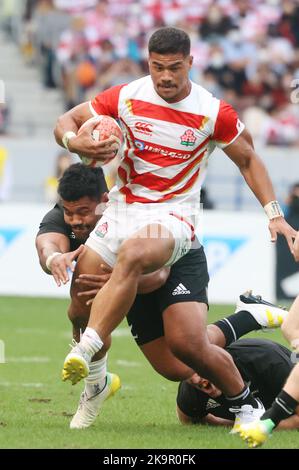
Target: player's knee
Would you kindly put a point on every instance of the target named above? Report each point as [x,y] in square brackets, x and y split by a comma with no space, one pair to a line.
[192,352]
[78,303]
[179,347]
[79,317]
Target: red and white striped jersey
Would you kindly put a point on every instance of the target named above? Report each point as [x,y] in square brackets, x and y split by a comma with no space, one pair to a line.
[167,145]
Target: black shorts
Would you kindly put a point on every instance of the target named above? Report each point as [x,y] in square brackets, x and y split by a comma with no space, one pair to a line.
[187,282]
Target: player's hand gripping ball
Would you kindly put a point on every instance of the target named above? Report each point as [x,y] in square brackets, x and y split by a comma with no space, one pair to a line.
[104,127]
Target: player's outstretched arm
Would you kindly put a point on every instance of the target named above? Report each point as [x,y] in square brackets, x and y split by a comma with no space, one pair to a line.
[153,281]
[54,256]
[66,130]
[242,153]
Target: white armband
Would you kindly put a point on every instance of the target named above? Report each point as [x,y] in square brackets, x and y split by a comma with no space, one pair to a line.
[273,210]
[50,259]
[67,136]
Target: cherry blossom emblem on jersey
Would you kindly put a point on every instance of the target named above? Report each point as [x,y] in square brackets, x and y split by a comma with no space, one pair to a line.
[102,230]
[188,138]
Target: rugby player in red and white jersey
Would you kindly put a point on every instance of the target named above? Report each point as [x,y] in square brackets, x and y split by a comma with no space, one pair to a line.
[171,126]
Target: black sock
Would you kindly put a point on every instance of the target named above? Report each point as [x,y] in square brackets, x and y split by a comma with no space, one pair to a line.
[244,398]
[282,408]
[231,403]
[237,325]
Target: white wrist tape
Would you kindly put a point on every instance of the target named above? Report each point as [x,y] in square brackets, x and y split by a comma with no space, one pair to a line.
[66,138]
[273,210]
[50,259]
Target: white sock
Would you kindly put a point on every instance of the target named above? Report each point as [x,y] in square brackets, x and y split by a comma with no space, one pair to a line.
[90,341]
[96,379]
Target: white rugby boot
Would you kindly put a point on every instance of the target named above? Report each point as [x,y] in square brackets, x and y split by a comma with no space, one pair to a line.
[265,313]
[89,407]
[246,414]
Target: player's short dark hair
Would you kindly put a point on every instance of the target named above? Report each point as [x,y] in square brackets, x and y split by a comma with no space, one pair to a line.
[169,41]
[80,181]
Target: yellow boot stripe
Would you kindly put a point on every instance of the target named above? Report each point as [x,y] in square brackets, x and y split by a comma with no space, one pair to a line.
[270,319]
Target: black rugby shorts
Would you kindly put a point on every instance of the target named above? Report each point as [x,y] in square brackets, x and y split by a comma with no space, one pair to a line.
[187,282]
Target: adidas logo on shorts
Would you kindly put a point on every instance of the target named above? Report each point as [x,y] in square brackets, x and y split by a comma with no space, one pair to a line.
[180,289]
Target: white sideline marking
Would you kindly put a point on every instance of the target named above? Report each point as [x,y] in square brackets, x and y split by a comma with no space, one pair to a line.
[120,362]
[15,384]
[29,359]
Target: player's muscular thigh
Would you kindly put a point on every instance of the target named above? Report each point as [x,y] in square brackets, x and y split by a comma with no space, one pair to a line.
[149,248]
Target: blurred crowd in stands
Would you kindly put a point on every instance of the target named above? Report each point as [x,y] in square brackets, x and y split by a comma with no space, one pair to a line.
[245,51]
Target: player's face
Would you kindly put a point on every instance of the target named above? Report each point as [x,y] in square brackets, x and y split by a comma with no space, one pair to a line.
[81,215]
[170,75]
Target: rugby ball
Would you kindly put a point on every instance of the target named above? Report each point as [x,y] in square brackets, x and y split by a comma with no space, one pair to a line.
[104,127]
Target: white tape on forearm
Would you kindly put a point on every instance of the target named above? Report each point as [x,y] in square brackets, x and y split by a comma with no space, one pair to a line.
[67,136]
[273,210]
[50,259]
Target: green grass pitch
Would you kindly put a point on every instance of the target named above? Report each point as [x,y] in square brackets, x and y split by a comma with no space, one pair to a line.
[36,406]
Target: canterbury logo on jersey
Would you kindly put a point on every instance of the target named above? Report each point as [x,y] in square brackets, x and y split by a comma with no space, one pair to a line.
[168,153]
[180,289]
[143,128]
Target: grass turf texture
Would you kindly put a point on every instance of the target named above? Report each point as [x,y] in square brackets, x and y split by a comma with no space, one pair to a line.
[36,406]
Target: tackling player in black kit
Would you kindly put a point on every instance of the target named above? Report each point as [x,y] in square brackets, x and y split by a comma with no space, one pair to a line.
[262,363]
[58,241]
[66,227]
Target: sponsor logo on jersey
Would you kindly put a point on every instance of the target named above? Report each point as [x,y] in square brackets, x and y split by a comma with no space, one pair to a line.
[102,230]
[143,128]
[162,151]
[139,144]
[188,138]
